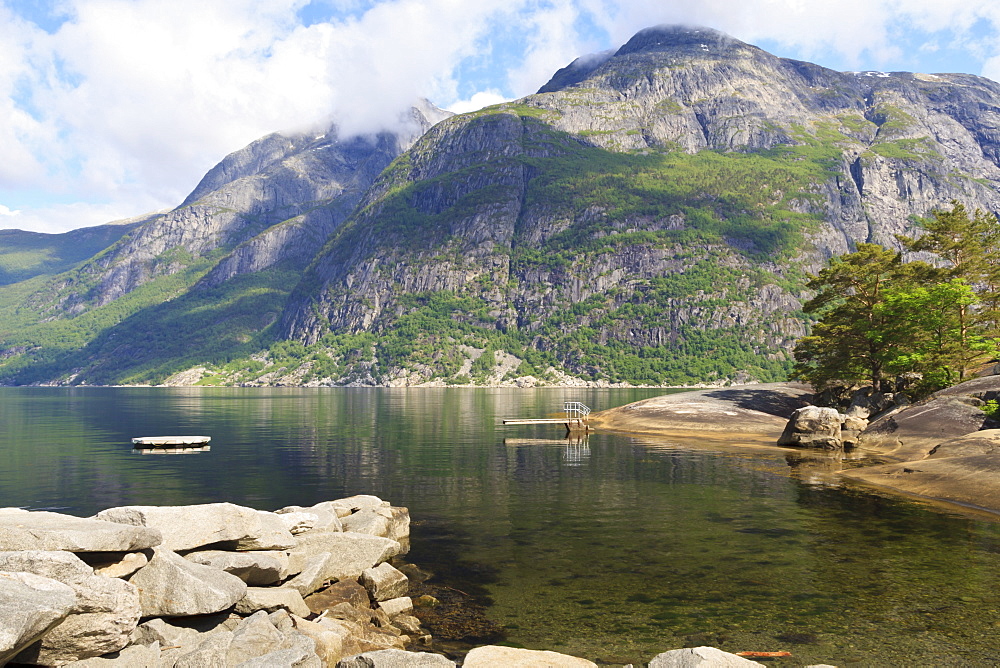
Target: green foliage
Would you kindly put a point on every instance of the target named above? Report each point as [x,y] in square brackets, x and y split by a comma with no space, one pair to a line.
[879,317]
[24,255]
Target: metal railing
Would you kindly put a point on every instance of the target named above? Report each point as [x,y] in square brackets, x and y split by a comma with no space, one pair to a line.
[576,410]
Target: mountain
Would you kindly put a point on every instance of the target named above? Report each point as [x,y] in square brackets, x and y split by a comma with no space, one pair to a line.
[649,216]
[24,255]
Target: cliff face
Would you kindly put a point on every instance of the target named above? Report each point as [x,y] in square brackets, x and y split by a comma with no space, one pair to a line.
[660,202]
[649,215]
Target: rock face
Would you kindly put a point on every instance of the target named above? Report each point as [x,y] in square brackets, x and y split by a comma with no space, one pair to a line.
[911,433]
[494,216]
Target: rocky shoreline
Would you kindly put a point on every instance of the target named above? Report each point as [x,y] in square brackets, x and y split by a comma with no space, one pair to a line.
[944,448]
[220,585]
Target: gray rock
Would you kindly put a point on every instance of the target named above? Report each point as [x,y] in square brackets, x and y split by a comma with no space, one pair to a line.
[984,442]
[270,599]
[384,582]
[399,523]
[103,617]
[396,658]
[299,522]
[211,652]
[347,591]
[296,651]
[115,564]
[170,585]
[397,606]
[351,553]
[814,427]
[707,657]
[351,504]
[41,530]
[165,634]
[325,512]
[256,568]
[273,534]
[254,637]
[30,605]
[314,575]
[492,656]
[284,658]
[368,521]
[188,527]
[328,637]
[133,656]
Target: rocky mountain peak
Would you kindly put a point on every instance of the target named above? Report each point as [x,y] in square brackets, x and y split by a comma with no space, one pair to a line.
[679,38]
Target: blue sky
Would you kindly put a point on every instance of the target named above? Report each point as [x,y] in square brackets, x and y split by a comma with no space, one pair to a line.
[113,108]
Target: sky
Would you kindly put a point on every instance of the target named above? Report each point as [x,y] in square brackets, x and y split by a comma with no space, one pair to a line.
[114,108]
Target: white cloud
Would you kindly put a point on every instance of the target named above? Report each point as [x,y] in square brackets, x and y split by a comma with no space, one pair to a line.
[129,102]
[478,101]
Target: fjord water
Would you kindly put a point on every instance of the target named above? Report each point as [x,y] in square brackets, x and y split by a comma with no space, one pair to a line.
[613,548]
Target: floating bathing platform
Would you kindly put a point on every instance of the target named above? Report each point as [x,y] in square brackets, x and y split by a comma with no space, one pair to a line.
[170,441]
[575,419]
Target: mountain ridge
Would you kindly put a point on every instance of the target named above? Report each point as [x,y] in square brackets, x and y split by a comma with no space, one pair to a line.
[648,217]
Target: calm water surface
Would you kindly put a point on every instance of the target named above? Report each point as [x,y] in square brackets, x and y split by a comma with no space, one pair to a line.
[614,549]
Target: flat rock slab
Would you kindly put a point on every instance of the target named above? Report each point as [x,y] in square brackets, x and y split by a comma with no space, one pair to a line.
[492,656]
[912,432]
[702,657]
[41,530]
[985,442]
[30,605]
[188,527]
[757,411]
[970,481]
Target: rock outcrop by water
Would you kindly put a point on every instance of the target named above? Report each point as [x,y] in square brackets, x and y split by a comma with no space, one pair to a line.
[74,589]
[756,413]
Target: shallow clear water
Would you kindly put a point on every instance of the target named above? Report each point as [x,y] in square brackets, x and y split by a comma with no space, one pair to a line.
[614,548]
